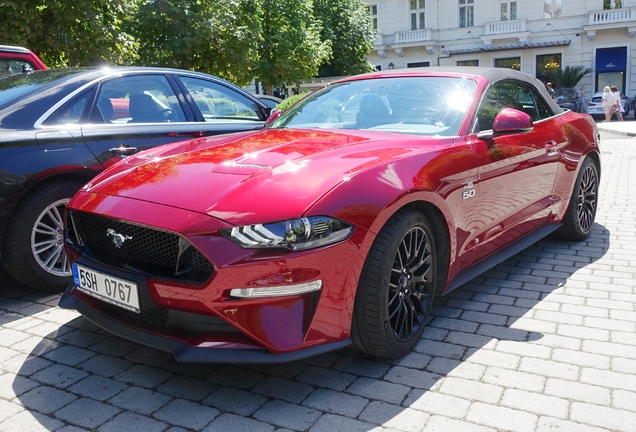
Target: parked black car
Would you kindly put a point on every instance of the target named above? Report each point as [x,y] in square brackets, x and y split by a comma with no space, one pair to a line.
[570,99]
[60,127]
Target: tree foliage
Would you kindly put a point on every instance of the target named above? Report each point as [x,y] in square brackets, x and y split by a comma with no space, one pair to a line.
[290,45]
[69,32]
[347,24]
[213,36]
[276,42]
[570,76]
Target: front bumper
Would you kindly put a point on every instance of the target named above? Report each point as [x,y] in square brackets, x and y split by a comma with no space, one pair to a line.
[181,349]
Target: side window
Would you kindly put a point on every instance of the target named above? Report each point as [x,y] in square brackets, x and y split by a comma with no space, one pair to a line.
[215,101]
[71,112]
[137,99]
[510,95]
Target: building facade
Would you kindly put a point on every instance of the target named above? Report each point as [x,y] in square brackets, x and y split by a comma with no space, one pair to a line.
[534,36]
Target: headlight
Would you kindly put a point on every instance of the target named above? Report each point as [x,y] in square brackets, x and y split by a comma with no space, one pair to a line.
[295,234]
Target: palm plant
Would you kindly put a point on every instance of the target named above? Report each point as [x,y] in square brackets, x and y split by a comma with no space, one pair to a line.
[570,76]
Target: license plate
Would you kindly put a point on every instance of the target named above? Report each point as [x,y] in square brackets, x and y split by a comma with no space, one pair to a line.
[111,289]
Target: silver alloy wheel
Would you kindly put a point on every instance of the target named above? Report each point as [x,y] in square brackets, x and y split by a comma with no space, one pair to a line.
[587,197]
[47,239]
[411,286]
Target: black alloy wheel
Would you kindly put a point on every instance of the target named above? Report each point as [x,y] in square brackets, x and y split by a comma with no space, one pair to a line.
[579,218]
[396,288]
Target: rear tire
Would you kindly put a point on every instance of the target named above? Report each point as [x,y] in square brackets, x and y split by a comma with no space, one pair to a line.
[396,288]
[33,250]
[581,212]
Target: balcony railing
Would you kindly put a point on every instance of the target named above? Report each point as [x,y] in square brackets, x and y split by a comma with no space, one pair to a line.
[612,16]
[499,27]
[413,36]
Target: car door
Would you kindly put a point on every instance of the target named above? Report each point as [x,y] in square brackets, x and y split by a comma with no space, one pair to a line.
[132,113]
[516,171]
[222,108]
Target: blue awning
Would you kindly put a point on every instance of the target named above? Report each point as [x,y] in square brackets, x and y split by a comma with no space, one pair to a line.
[611,59]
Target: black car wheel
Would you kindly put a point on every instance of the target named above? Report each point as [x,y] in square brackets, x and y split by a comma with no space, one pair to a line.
[579,218]
[396,288]
[34,244]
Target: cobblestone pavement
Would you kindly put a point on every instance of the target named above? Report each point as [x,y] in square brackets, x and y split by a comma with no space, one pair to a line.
[544,342]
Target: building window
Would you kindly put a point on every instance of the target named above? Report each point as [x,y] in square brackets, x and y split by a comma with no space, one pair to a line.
[612,4]
[418,14]
[373,11]
[547,65]
[466,13]
[418,64]
[510,63]
[507,10]
[552,8]
[467,63]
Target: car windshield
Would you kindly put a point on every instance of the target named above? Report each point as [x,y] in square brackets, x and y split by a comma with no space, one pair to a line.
[411,105]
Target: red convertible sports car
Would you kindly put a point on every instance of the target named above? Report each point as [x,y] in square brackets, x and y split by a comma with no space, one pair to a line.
[338,223]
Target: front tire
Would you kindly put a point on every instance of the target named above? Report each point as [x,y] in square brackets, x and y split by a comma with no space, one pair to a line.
[396,288]
[581,212]
[33,250]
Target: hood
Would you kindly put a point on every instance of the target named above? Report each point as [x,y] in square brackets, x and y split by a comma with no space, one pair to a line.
[250,178]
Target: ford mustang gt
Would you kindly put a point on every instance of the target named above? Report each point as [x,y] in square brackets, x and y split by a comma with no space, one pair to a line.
[338,223]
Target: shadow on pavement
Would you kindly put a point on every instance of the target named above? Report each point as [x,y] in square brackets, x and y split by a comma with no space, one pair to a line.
[502,321]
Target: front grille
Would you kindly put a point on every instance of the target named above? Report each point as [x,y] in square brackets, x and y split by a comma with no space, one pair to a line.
[137,248]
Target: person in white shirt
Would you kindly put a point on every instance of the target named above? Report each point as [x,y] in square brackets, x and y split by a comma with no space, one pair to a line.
[618,106]
[607,101]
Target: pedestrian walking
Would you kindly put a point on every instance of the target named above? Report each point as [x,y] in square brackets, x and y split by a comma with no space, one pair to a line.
[617,107]
[607,101]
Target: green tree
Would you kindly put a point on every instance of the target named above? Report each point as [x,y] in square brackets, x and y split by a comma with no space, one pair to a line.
[347,24]
[570,76]
[69,32]
[212,36]
[290,45]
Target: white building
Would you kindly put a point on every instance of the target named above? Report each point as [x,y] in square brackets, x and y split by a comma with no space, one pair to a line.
[529,35]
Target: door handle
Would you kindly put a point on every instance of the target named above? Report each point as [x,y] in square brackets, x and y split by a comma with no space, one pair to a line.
[122,150]
[551,148]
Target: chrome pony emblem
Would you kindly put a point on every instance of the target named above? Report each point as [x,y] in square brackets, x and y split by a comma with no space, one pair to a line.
[118,239]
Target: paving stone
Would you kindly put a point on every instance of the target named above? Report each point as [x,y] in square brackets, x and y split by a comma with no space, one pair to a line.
[445,424]
[601,416]
[235,377]
[105,365]
[394,417]
[549,368]
[412,377]
[287,415]
[69,355]
[437,403]
[547,424]
[613,380]
[114,346]
[581,358]
[149,356]
[413,360]
[336,402]
[231,422]
[97,387]
[514,379]
[24,365]
[624,400]
[471,390]
[186,414]
[26,421]
[378,390]
[501,417]
[440,349]
[81,338]
[578,391]
[323,377]
[535,403]
[523,349]
[140,400]
[187,387]
[8,410]
[234,400]
[132,422]
[87,413]
[12,386]
[60,376]
[487,357]
[330,423]
[284,370]
[280,388]
[144,376]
